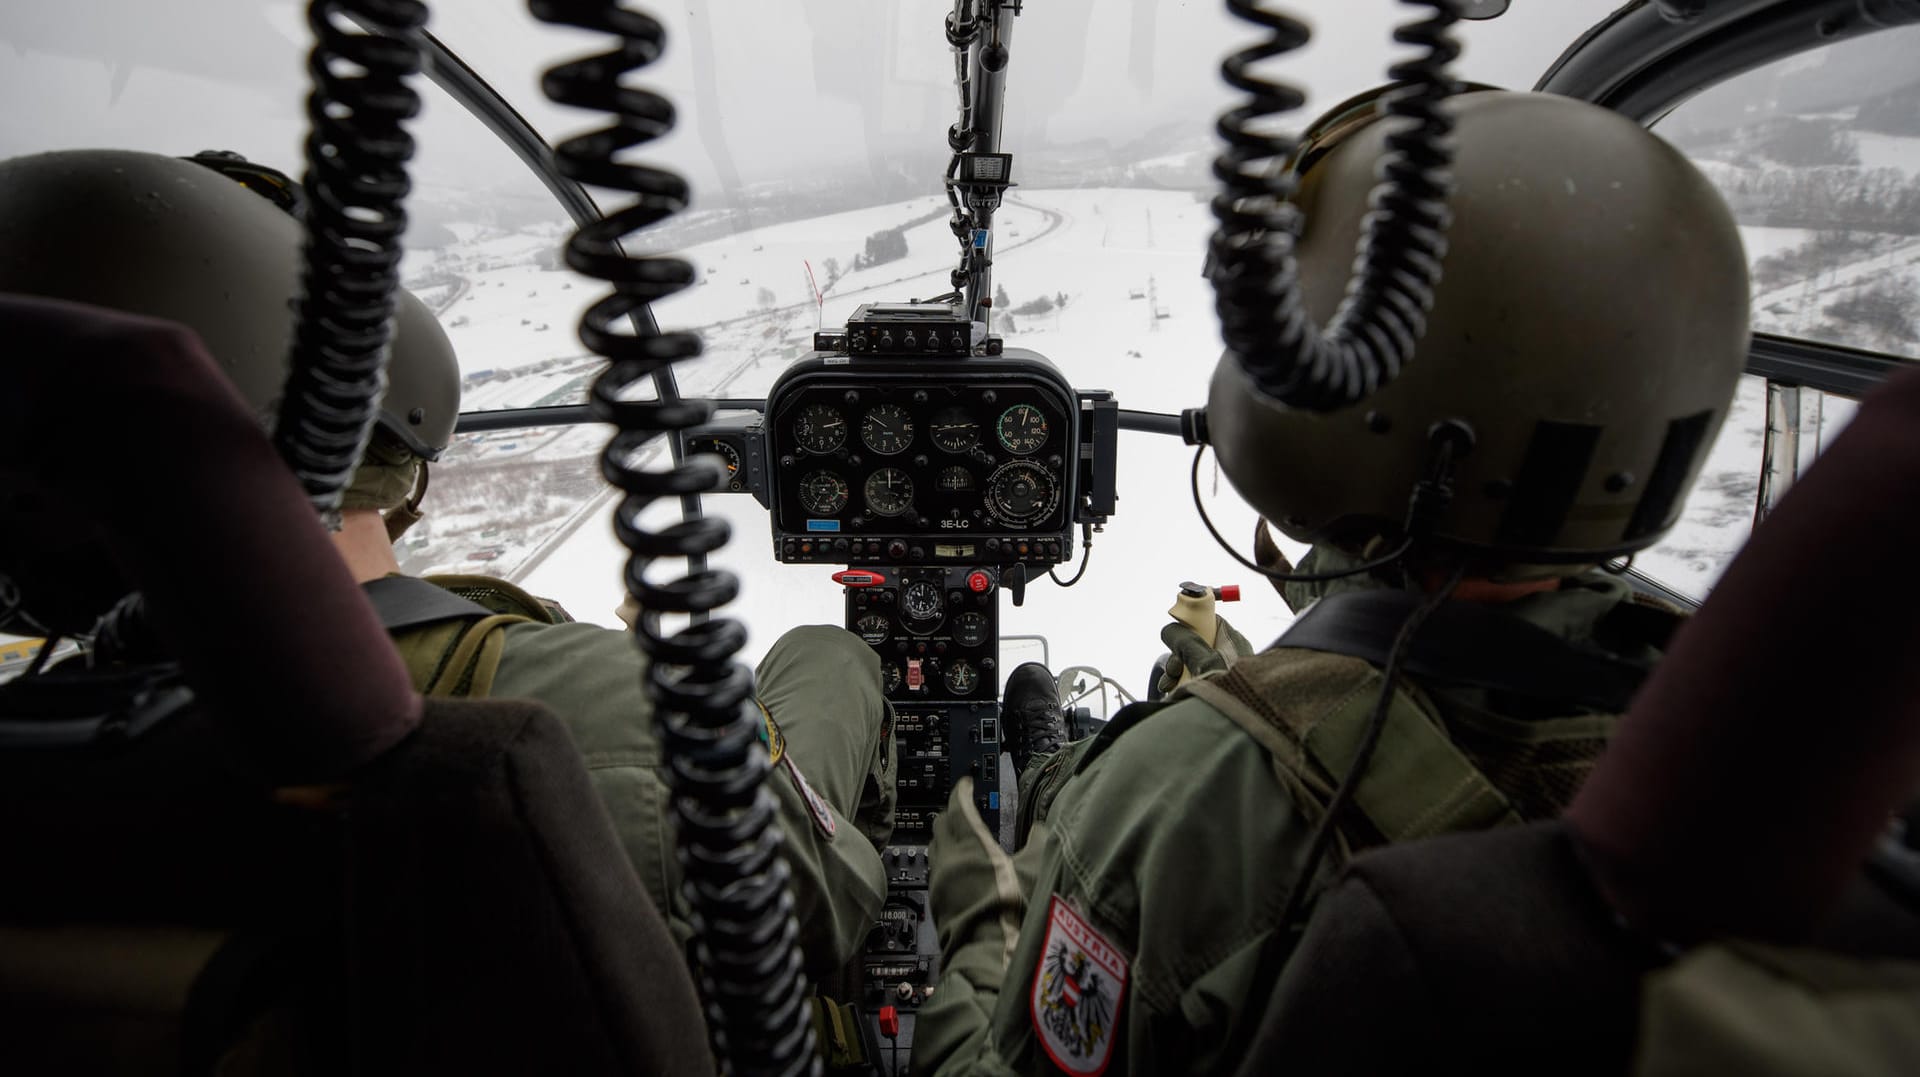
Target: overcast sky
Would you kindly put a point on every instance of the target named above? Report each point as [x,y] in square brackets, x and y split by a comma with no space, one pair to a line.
[765,89]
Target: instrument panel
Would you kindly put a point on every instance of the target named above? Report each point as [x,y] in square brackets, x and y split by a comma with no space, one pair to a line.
[879,460]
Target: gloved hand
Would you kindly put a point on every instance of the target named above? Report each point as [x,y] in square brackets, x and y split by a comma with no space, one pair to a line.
[1193,655]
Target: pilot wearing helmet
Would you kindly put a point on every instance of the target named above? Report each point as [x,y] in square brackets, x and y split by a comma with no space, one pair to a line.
[1581,353]
[184,240]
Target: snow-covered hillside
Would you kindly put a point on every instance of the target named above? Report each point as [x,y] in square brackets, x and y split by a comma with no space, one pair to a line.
[1137,320]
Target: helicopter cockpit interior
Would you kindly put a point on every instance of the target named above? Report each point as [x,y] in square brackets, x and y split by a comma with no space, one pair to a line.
[941,274]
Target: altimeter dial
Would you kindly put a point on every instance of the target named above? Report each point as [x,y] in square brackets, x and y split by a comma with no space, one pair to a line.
[887,429]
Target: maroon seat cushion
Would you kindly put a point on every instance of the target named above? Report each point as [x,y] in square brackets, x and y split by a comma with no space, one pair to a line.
[119,434]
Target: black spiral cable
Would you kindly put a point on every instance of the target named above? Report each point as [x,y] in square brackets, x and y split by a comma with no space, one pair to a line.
[356,181]
[735,877]
[1256,280]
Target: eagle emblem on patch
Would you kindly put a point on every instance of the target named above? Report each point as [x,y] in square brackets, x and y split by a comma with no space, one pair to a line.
[1077,991]
[816,804]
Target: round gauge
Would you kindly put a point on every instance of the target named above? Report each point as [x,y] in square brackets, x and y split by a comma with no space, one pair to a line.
[820,429]
[823,493]
[889,492]
[1022,429]
[956,478]
[717,447]
[874,628]
[961,677]
[922,601]
[955,431]
[887,429]
[1020,493]
[893,678]
[970,629]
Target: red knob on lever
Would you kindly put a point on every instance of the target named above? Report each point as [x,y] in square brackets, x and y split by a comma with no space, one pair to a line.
[889,1022]
[1228,593]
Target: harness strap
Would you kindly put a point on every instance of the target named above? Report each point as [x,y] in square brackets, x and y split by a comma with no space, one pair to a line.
[479,641]
[405,602]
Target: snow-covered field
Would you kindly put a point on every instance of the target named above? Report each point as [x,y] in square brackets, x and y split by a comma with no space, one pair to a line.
[1138,321]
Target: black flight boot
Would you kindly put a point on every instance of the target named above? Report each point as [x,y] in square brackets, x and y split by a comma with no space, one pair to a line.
[1030,715]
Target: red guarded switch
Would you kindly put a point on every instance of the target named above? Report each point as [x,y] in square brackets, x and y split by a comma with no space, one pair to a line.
[889,1022]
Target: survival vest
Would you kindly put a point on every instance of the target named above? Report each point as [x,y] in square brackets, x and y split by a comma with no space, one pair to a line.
[1440,766]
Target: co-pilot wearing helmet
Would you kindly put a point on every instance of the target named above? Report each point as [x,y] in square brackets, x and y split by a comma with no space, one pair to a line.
[183,241]
[1581,353]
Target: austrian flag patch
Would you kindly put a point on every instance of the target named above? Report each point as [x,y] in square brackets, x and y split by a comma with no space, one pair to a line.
[1077,992]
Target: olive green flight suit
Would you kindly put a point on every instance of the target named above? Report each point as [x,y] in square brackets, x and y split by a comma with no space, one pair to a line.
[1138,930]
[819,684]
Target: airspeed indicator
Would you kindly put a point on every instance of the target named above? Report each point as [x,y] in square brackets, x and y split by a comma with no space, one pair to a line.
[1022,429]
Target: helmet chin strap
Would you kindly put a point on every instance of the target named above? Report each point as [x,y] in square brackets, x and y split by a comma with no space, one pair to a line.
[407,513]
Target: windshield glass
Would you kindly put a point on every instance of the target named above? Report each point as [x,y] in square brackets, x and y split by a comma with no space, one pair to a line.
[813,134]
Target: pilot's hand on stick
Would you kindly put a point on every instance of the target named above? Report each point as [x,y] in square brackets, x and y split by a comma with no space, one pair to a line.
[1193,655]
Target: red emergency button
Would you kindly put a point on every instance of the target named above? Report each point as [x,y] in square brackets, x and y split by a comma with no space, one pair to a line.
[979,582]
[854,577]
[889,1022]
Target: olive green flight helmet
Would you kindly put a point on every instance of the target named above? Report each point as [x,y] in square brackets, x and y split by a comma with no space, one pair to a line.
[168,238]
[1589,330]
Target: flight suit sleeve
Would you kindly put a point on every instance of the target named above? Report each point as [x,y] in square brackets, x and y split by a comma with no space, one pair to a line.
[1147,939]
[978,895]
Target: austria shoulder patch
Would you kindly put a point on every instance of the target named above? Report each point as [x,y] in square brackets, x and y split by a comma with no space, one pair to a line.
[816,804]
[1077,991]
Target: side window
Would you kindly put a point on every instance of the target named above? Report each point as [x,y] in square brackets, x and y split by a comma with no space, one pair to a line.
[1819,158]
[1772,435]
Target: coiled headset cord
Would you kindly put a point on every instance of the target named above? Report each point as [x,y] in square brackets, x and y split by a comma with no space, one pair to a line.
[355,184]
[356,181]
[1384,314]
[735,877]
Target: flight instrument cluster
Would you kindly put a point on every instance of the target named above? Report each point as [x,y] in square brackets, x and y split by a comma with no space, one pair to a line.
[877,461]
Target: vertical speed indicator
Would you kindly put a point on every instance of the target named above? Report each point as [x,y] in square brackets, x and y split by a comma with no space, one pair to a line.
[1022,429]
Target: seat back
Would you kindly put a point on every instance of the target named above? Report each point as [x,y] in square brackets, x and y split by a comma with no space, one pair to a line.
[307,869]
